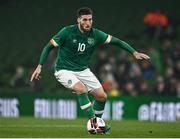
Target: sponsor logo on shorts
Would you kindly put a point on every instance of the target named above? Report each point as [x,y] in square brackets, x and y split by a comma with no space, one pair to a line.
[69,82]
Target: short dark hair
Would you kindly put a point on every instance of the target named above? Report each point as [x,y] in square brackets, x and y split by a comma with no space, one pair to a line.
[84,11]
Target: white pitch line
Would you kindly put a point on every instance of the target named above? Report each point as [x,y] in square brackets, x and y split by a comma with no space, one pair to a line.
[47,126]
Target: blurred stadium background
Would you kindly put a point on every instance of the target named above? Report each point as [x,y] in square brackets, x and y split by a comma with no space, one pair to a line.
[140,90]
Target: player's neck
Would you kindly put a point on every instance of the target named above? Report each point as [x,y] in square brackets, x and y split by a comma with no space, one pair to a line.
[82,31]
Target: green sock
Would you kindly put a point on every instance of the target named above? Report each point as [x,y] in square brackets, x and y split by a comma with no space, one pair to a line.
[85,105]
[99,108]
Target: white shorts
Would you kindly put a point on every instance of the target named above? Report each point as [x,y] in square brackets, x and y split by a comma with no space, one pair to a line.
[69,78]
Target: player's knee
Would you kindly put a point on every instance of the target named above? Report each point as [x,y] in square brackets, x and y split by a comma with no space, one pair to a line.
[79,88]
[102,97]
[99,94]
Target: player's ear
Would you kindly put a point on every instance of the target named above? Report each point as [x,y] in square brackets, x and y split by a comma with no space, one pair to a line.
[78,19]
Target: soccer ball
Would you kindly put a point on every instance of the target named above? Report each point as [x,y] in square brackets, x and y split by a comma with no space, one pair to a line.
[99,129]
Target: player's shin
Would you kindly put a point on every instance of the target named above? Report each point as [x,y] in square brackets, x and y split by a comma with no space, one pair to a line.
[99,108]
[85,105]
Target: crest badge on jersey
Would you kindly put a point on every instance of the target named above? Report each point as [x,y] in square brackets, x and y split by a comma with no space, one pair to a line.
[74,41]
[90,41]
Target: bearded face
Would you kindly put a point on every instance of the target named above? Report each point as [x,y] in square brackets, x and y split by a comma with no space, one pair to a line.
[85,22]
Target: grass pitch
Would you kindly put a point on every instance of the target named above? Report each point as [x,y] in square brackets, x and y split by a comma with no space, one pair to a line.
[29,127]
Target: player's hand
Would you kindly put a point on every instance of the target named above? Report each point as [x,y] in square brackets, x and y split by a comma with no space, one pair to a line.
[138,55]
[36,73]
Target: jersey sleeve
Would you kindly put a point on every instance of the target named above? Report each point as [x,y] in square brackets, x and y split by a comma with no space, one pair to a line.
[101,36]
[60,37]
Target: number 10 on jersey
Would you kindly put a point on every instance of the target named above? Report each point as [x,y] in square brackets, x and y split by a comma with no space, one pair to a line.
[81,47]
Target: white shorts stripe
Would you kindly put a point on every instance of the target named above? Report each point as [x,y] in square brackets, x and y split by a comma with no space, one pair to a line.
[98,112]
[85,106]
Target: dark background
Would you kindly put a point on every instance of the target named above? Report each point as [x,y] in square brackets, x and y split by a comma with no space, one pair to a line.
[26,27]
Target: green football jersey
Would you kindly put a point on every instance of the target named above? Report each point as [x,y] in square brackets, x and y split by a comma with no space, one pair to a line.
[76,48]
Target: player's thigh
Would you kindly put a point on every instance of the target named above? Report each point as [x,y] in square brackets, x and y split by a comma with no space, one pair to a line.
[89,79]
[79,88]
